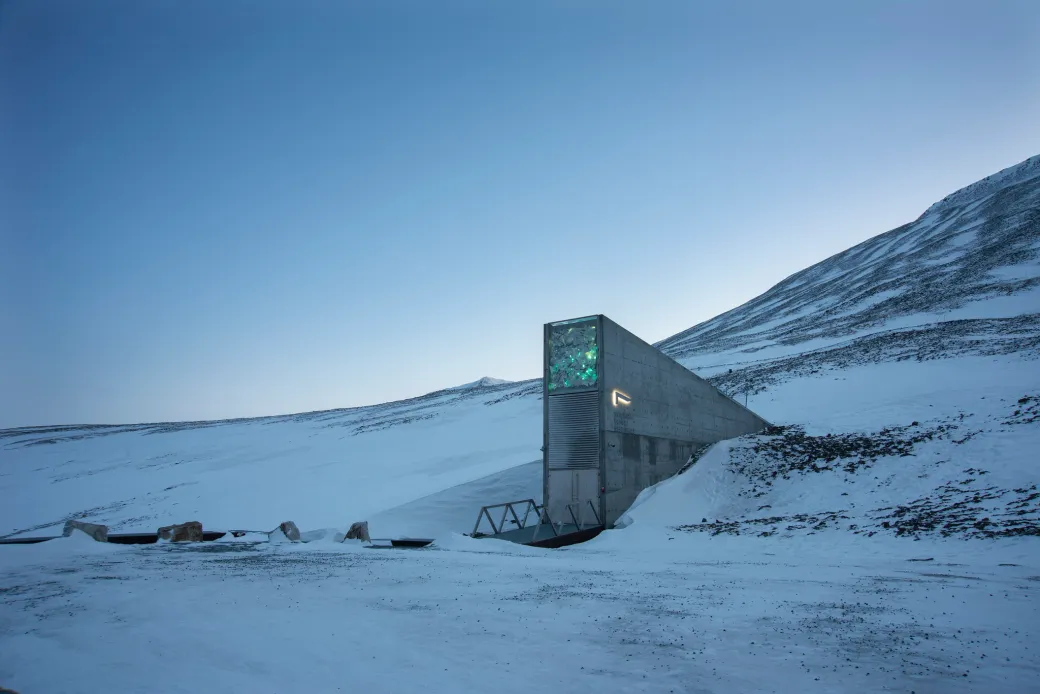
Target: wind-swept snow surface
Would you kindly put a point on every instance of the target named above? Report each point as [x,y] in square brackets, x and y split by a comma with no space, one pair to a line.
[884,536]
[676,613]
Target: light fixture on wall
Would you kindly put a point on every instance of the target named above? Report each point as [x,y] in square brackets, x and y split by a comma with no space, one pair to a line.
[620,398]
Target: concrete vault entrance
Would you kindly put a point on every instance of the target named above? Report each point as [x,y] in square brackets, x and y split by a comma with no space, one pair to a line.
[619,416]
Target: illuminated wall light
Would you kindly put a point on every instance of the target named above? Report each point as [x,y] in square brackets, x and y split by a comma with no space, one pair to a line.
[620,398]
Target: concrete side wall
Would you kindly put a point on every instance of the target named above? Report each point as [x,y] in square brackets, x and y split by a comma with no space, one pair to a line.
[634,462]
[669,413]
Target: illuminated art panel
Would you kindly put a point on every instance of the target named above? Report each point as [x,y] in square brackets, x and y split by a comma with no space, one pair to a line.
[573,349]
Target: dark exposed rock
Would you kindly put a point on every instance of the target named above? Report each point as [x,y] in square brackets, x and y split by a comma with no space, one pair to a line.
[289,530]
[1028,411]
[358,531]
[182,532]
[800,521]
[953,510]
[782,450]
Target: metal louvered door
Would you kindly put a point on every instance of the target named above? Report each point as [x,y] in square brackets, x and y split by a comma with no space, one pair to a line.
[573,452]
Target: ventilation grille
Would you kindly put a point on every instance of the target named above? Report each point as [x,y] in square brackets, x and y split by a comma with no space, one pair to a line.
[574,431]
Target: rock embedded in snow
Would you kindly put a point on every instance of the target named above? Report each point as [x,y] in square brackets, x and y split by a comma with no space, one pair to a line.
[358,531]
[183,532]
[98,532]
[289,530]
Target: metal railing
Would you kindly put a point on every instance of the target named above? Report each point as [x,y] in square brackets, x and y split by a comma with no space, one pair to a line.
[526,506]
[579,519]
[516,515]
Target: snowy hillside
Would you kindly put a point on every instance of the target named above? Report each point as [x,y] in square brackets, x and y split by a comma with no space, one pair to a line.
[963,279]
[904,374]
[320,469]
[882,537]
[943,448]
[961,282]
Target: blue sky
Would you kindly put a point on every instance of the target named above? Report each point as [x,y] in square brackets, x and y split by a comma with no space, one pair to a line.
[241,208]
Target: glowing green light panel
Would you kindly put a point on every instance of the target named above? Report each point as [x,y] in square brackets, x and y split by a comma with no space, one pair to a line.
[572,356]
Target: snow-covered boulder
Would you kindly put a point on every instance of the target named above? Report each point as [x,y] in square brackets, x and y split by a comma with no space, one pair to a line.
[359,531]
[183,532]
[98,532]
[288,530]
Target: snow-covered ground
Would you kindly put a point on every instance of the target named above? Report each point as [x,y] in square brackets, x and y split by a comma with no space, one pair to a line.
[883,536]
[646,608]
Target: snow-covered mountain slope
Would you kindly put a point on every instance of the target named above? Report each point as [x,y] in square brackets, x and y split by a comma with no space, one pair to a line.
[963,279]
[905,375]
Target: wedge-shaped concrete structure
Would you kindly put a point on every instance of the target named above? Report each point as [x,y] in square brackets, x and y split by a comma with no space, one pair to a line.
[620,416]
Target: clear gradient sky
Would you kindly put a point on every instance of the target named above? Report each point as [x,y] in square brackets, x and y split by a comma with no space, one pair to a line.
[231,208]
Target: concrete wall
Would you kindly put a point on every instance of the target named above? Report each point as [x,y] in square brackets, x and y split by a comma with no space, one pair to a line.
[670,413]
